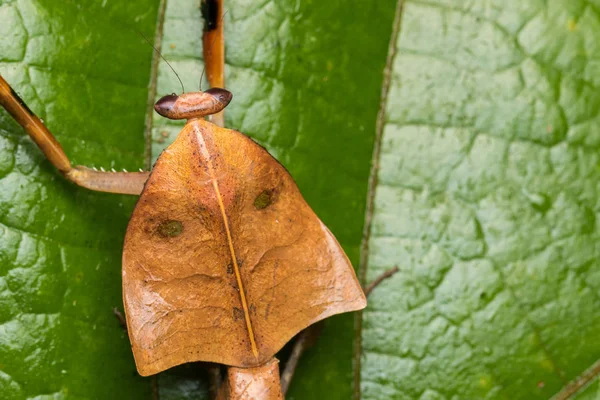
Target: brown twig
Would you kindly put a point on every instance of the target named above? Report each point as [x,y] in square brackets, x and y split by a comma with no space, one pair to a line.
[304,340]
[290,367]
[379,279]
[572,388]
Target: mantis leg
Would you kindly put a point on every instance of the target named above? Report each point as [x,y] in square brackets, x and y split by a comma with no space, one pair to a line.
[213,49]
[304,340]
[112,182]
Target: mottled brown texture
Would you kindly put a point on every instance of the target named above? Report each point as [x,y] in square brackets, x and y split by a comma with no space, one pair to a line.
[255,383]
[182,294]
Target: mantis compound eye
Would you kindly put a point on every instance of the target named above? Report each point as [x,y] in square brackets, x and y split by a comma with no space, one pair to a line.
[221,95]
[165,104]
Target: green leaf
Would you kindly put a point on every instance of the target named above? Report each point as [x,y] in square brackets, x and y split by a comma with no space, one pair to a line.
[485,196]
[83,68]
[487,200]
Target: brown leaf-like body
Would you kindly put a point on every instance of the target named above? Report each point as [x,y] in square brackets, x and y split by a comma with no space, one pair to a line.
[212,194]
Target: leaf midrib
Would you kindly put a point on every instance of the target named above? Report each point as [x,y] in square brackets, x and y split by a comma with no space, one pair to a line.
[372,186]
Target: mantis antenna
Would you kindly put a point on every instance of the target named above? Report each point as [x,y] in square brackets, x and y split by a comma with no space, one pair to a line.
[165,60]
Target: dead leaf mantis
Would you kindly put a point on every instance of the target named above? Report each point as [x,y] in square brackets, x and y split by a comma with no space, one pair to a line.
[223,260]
[231,194]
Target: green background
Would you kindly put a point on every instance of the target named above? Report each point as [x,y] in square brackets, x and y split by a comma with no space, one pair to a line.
[487,201]
[485,197]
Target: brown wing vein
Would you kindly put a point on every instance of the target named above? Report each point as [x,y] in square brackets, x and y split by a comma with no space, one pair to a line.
[207,158]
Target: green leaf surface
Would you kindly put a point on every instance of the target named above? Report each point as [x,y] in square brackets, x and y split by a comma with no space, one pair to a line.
[487,200]
[83,68]
[486,194]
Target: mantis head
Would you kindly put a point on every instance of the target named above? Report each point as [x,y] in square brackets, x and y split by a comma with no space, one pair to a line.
[193,104]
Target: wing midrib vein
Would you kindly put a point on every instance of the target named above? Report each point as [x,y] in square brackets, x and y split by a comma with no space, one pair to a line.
[236,268]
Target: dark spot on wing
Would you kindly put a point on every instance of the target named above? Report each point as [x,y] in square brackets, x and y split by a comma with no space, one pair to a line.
[237,313]
[169,228]
[230,268]
[264,199]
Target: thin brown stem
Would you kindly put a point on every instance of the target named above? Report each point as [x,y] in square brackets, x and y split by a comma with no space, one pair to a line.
[380,279]
[575,386]
[304,341]
[292,362]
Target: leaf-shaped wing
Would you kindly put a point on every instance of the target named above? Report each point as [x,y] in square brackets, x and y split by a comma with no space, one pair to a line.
[223,260]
